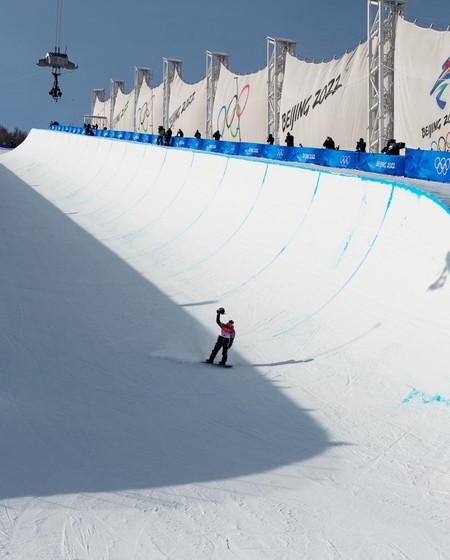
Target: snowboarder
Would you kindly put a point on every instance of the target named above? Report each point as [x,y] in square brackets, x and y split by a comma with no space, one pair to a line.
[225,339]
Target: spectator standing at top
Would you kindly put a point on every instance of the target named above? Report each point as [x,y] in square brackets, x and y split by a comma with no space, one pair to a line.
[88,130]
[161,133]
[270,139]
[168,137]
[361,145]
[329,143]
[197,134]
[180,133]
[393,147]
[289,139]
[217,135]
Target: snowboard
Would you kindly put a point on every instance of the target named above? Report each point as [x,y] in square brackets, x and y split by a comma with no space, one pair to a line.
[218,365]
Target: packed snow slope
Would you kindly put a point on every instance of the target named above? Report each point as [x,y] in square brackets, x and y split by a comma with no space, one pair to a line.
[330,437]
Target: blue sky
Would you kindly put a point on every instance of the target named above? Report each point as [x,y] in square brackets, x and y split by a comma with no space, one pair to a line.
[108,38]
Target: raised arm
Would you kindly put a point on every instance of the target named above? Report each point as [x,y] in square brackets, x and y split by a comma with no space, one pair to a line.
[219,312]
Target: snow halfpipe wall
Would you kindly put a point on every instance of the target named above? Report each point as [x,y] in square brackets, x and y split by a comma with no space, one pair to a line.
[115,257]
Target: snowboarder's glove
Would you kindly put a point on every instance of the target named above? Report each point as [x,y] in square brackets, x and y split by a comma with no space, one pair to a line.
[221,311]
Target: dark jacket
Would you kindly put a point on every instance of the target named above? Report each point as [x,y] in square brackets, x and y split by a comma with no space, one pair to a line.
[329,143]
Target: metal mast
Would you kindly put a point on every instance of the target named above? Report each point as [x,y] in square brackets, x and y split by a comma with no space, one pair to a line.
[276,58]
[170,66]
[382,18]
[214,60]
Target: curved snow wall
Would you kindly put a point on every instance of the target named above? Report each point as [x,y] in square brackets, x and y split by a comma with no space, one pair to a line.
[343,272]
[418,164]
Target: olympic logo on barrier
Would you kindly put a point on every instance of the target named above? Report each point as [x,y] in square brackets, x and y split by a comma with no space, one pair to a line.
[345,160]
[442,165]
[230,117]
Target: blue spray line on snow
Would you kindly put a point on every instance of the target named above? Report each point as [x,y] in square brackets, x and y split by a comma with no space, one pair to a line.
[141,198]
[99,173]
[217,249]
[346,246]
[362,204]
[349,279]
[164,210]
[425,399]
[281,251]
[182,232]
[131,177]
[106,178]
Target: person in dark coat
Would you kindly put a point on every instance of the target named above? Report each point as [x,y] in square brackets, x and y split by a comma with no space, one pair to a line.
[161,133]
[289,139]
[168,137]
[361,145]
[393,147]
[329,143]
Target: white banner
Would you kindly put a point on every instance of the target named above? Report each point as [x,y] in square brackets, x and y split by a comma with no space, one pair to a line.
[102,109]
[187,106]
[149,109]
[326,99]
[123,118]
[422,87]
[239,112]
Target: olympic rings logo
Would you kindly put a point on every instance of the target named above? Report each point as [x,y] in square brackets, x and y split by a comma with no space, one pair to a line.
[442,144]
[143,115]
[345,160]
[442,165]
[230,117]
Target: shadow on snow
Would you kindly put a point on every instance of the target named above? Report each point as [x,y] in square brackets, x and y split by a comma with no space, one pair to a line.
[84,407]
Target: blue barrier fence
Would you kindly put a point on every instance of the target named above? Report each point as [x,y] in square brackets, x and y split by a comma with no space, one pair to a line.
[416,164]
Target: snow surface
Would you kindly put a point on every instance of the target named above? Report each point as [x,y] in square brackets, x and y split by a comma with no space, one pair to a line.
[330,437]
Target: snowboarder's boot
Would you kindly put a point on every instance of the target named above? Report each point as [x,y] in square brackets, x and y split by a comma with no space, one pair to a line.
[209,361]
